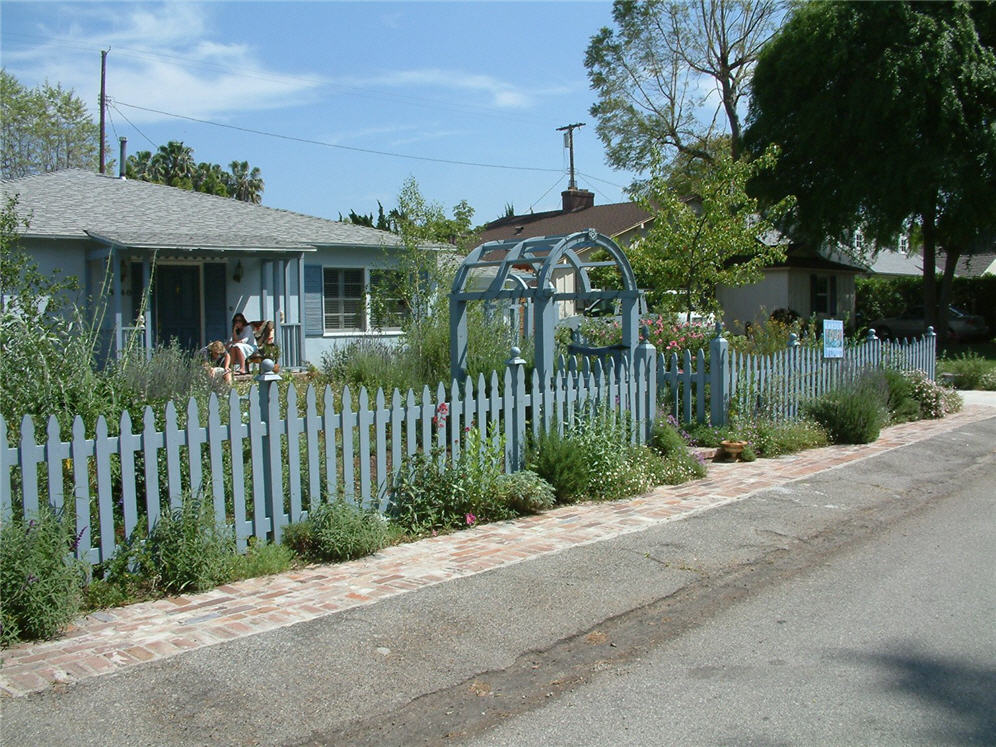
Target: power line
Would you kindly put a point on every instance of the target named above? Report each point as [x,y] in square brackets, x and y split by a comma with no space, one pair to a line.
[595,178]
[152,142]
[309,141]
[540,198]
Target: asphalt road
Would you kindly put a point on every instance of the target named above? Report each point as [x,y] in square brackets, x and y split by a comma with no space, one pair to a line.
[855,606]
[889,642]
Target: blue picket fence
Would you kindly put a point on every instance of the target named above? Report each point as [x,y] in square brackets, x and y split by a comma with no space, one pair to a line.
[263,463]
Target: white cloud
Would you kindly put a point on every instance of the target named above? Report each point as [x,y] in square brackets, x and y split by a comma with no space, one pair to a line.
[495,92]
[162,56]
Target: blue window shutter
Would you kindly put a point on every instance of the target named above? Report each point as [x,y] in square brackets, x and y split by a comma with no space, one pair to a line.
[314,320]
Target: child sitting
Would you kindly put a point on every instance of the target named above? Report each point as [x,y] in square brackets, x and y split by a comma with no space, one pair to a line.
[217,360]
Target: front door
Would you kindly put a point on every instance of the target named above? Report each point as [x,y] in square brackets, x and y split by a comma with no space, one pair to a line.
[178,305]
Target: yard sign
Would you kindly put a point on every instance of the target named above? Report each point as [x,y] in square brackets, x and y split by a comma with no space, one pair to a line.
[833,338]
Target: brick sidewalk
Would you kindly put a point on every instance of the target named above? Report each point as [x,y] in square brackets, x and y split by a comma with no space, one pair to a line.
[110,640]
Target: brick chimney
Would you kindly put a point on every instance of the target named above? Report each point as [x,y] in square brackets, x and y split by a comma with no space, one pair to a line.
[577,199]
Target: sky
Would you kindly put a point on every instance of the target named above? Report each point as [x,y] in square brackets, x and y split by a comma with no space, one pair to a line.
[429,84]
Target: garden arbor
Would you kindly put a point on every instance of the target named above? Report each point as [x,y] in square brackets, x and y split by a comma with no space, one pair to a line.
[542,270]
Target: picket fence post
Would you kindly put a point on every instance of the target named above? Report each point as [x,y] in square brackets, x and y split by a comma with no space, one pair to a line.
[516,434]
[719,350]
[272,473]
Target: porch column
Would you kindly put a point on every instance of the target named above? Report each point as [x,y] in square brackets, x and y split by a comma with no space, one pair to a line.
[278,292]
[300,310]
[264,268]
[147,313]
[115,262]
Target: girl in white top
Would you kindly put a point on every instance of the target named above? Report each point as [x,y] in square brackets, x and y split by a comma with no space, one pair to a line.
[243,343]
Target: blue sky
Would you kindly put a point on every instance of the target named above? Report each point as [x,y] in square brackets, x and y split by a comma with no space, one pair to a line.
[480,82]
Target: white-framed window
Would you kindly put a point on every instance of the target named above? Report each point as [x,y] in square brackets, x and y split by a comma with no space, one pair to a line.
[354,299]
[904,243]
[859,240]
[344,294]
[823,294]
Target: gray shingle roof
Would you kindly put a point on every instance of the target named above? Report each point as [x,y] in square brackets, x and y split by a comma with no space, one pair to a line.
[75,204]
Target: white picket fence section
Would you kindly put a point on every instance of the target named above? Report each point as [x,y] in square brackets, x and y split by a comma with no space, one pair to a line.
[263,466]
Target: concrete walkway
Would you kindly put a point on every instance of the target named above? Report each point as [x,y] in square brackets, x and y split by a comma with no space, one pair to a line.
[111,640]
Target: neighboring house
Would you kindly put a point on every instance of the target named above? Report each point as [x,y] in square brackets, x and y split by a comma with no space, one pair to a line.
[621,222]
[205,258]
[809,283]
[972,265]
[892,263]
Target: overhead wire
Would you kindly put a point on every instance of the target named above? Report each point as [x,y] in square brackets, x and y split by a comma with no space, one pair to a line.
[325,144]
[540,198]
[152,142]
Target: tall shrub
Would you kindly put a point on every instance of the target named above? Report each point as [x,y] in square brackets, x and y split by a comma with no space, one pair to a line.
[40,582]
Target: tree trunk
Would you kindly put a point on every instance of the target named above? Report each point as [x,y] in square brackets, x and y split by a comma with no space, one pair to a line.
[952,255]
[930,269]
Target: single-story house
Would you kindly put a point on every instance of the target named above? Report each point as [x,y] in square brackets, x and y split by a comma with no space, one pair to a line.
[203,258]
[808,282]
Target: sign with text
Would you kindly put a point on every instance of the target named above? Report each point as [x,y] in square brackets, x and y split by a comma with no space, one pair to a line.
[833,338]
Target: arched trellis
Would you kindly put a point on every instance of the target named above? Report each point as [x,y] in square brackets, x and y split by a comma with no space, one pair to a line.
[517,269]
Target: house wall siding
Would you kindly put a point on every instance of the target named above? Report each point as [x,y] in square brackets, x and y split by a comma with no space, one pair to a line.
[753,302]
[63,259]
[317,342]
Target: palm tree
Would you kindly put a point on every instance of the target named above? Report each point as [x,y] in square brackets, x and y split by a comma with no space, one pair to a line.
[211,178]
[245,185]
[173,164]
[137,166]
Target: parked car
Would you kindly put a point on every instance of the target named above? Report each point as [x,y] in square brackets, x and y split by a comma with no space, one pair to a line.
[912,323]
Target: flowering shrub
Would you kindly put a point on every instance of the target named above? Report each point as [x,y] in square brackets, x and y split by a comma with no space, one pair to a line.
[772,335]
[935,401]
[432,493]
[664,333]
[594,459]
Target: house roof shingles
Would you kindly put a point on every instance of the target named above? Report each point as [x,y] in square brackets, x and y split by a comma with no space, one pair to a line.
[972,265]
[81,204]
[609,220]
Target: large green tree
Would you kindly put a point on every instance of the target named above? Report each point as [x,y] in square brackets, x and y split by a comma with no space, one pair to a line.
[713,235]
[885,116]
[44,129]
[671,76]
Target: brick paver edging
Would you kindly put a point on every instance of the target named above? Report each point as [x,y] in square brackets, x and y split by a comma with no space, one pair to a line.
[110,640]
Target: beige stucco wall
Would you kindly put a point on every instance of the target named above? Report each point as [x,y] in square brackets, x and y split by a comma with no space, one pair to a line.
[782,288]
[750,303]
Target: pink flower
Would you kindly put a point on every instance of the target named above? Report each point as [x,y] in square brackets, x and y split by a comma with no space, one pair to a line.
[471,519]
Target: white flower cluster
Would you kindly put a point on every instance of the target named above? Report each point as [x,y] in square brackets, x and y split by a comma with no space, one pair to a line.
[935,401]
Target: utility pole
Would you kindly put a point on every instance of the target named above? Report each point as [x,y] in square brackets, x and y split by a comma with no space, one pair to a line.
[569,143]
[103,102]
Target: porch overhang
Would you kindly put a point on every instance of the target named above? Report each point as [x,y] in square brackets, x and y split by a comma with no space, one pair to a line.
[277,258]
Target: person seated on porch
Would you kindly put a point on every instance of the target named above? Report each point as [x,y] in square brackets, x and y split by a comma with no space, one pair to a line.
[217,360]
[242,344]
